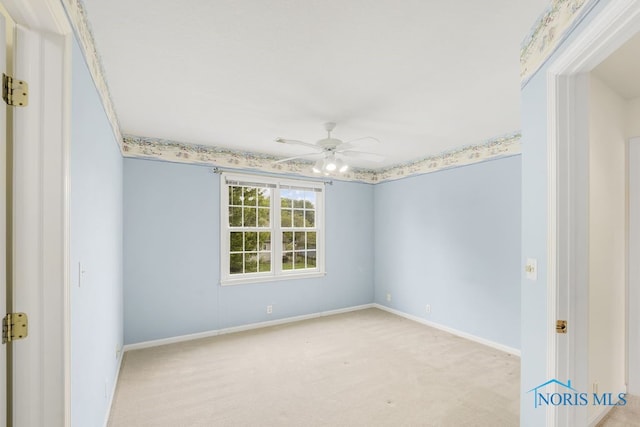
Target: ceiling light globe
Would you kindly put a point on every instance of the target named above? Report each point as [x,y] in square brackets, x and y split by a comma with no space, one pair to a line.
[331,165]
[343,168]
[339,165]
[317,167]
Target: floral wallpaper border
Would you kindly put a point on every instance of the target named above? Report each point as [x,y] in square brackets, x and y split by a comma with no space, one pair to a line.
[172,151]
[78,17]
[180,152]
[503,146]
[554,25]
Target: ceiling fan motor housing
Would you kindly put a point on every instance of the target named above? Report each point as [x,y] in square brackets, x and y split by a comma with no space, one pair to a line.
[329,144]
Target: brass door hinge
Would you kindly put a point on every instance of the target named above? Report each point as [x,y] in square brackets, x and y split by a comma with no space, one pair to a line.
[15,92]
[561,326]
[15,326]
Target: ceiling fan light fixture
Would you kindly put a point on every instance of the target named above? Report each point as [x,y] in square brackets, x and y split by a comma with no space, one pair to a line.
[318,166]
[341,166]
[335,153]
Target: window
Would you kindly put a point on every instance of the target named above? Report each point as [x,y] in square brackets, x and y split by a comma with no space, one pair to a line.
[271,229]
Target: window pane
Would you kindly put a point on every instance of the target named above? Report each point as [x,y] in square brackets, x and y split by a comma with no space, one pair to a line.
[235,242]
[311,259]
[287,240]
[298,258]
[264,242]
[263,217]
[299,241]
[285,218]
[311,240]
[310,219]
[264,197]
[287,260]
[298,218]
[251,262]
[235,217]
[298,203]
[251,241]
[250,197]
[285,198]
[250,217]
[235,264]
[235,196]
[310,199]
[264,263]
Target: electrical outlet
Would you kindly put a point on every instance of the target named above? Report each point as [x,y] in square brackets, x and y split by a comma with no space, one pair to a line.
[428,308]
[389,297]
[269,309]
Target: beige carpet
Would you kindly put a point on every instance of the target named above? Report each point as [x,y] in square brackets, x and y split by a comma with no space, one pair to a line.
[364,368]
[623,416]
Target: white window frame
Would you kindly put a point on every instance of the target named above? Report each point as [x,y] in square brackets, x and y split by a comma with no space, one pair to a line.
[276,273]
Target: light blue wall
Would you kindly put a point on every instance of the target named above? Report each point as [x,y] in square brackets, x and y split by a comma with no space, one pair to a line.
[534,231]
[451,239]
[534,245]
[96,242]
[172,256]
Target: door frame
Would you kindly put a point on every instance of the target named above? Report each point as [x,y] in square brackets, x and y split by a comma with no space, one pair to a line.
[41,207]
[568,187]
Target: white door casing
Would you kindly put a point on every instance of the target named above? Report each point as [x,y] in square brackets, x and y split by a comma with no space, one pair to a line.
[568,172]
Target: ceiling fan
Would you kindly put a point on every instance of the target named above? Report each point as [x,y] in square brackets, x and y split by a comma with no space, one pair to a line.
[330,151]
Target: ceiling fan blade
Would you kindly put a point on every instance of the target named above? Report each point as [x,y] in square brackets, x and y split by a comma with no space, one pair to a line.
[301,156]
[351,142]
[296,142]
[372,157]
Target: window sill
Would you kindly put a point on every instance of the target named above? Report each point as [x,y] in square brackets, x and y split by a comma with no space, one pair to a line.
[264,279]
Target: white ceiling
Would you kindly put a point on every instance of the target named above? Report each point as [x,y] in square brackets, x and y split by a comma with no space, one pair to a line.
[421,76]
[621,70]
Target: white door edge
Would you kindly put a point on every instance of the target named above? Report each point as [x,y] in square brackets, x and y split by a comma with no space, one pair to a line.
[3,226]
[633,278]
[43,58]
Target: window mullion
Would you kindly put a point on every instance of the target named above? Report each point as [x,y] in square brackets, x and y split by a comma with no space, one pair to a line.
[277,231]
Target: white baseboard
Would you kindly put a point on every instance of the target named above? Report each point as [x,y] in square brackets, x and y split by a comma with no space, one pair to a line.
[213,333]
[113,389]
[470,337]
[234,329]
[171,340]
